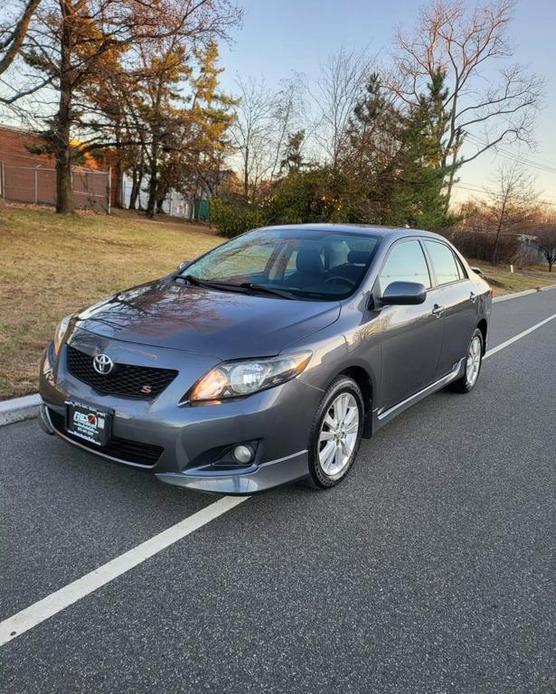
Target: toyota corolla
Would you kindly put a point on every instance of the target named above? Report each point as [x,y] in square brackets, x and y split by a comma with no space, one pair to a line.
[268,359]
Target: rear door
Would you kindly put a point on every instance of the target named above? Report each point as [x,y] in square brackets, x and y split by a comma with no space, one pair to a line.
[411,335]
[454,301]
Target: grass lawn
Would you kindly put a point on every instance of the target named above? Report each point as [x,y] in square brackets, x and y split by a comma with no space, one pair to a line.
[52,265]
[505,282]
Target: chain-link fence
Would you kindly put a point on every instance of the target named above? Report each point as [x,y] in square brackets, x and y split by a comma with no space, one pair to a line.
[37,184]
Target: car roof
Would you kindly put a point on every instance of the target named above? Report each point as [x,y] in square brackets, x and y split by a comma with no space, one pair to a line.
[362,229]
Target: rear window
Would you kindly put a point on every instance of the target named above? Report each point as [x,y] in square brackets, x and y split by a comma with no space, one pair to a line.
[444,264]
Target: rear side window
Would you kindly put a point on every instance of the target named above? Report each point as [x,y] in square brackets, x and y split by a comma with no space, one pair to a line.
[444,264]
[405,263]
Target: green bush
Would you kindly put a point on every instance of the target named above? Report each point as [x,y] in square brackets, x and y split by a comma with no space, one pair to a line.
[317,195]
[232,218]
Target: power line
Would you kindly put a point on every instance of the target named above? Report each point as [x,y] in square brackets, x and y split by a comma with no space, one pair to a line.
[512,156]
[474,189]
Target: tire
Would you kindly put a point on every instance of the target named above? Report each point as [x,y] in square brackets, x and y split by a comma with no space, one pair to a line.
[468,381]
[329,467]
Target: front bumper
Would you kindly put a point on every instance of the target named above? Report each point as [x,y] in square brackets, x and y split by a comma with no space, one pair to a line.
[193,439]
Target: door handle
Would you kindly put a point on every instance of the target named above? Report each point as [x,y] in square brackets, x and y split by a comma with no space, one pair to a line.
[437,310]
[473,297]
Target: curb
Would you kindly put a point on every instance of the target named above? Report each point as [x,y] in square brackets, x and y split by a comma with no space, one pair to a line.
[19,409]
[507,297]
[27,407]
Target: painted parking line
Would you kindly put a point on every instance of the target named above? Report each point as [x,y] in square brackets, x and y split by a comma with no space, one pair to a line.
[42,610]
[517,337]
[66,596]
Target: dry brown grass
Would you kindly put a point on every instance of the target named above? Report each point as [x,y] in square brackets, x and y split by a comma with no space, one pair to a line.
[51,265]
[505,282]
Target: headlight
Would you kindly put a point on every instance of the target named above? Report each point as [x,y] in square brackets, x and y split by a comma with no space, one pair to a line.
[237,378]
[60,333]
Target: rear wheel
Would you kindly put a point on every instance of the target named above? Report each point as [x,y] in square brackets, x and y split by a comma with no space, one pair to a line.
[336,433]
[473,363]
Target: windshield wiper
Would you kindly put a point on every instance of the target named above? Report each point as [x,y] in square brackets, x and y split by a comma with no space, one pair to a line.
[233,287]
[190,279]
[267,290]
[208,284]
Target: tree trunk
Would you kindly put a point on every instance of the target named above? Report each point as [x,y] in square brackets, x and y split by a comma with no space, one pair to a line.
[64,195]
[151,204]
[153,179]
[499,231]
[134,191]
[118,172]
[453,167]
[136,180]
[450,187]
[246,175]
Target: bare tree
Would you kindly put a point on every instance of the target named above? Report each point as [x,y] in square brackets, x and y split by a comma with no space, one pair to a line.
[252,132]
[335,95]
[546,242]
[288,117]
[512,203]
[465,42]
[13,32]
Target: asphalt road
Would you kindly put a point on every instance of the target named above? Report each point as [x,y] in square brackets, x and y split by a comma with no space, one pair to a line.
[429,570]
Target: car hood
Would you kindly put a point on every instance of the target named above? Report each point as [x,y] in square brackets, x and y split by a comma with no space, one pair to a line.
[227,325]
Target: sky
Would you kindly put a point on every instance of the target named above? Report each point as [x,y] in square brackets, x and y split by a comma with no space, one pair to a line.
[282,37]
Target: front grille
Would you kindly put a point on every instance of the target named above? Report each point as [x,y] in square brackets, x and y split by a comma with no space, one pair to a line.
[123,449]
[141,382]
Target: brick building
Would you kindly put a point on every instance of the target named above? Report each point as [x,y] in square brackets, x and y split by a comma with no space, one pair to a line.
[29,177]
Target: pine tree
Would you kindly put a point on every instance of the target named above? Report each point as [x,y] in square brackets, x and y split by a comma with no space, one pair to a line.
[398,154]
[210,118]
[293,161]
[421,191]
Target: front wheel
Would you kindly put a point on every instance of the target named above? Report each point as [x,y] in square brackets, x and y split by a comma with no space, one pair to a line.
[473,363]
[336,433]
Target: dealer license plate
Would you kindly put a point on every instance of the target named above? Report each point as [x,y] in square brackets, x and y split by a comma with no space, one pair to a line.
[88,423]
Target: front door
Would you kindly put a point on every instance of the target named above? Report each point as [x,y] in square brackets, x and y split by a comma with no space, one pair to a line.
[411,335]
[454,297]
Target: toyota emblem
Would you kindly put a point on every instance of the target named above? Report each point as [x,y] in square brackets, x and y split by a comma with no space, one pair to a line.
[102,364]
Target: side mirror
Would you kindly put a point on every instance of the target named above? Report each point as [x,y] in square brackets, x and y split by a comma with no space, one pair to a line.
[184,264]
[403,293]
[476,270]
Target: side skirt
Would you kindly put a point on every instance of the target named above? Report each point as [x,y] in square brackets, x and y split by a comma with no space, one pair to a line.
[383,416]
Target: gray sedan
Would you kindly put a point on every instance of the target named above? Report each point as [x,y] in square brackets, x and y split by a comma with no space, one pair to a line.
[269,358]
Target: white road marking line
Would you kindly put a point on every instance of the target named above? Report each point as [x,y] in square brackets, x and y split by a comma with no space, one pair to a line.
[517,337]
[29,617]
[21,622]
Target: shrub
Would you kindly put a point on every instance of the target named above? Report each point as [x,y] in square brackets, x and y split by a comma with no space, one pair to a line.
[233,217]
[318,195]
[480,245]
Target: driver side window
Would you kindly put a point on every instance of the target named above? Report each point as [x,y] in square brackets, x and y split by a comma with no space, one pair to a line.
[405,263]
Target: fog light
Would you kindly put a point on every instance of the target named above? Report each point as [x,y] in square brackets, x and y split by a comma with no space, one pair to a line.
[243,454]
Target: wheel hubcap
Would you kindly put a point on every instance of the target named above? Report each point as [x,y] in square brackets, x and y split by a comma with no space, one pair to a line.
[338,434]
[473,363]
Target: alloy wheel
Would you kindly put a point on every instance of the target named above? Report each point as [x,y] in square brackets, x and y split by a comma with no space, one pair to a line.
[338,434]
[473,363]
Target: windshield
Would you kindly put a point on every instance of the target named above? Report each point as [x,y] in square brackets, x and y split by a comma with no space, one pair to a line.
[311,264]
